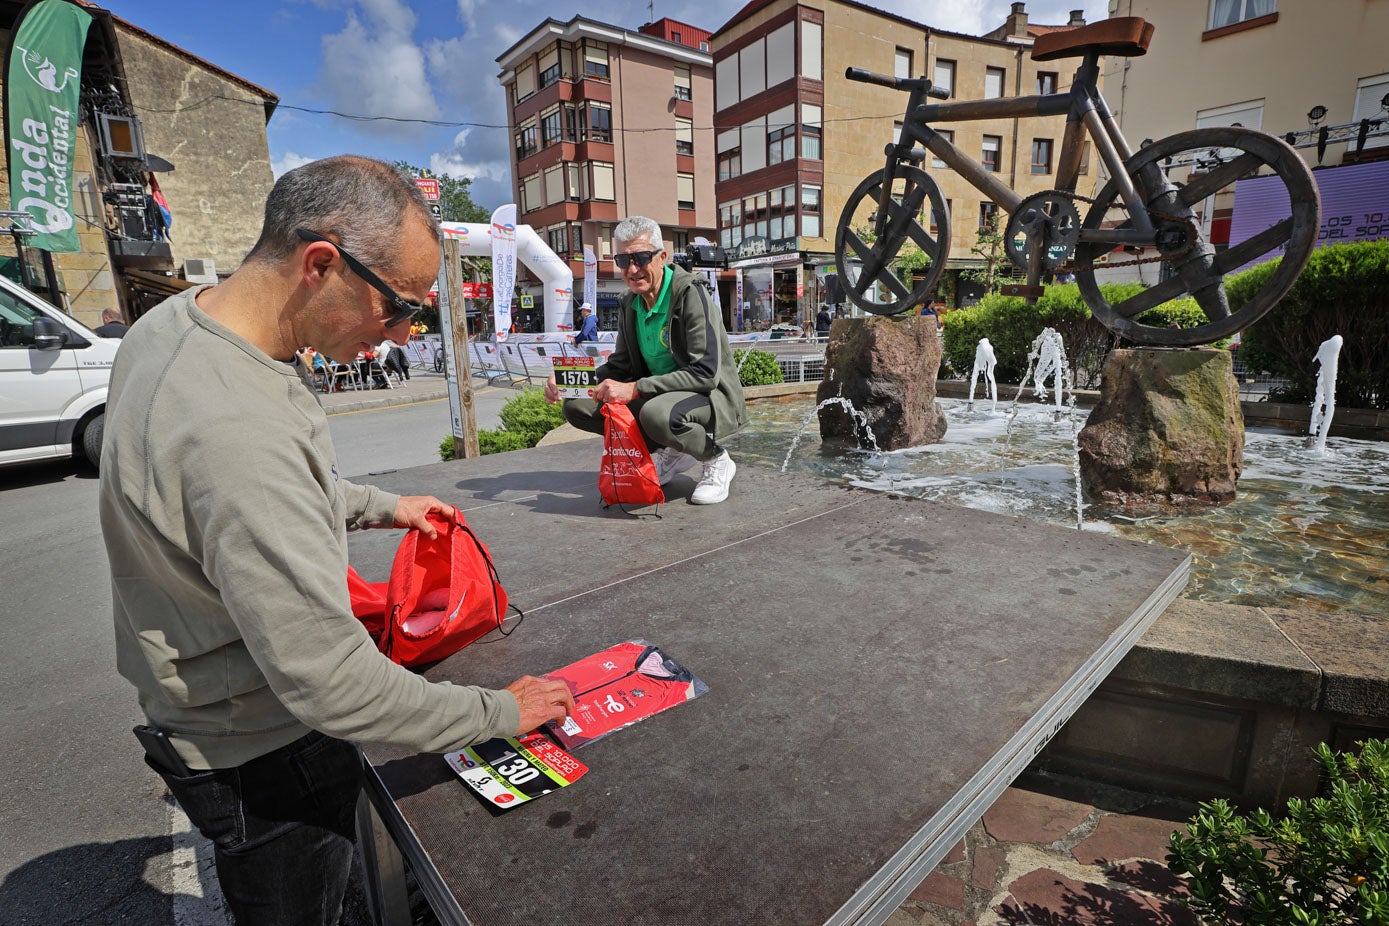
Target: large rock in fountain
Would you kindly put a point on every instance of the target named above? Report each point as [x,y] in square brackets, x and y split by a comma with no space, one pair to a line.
[1168,432]
[887,367]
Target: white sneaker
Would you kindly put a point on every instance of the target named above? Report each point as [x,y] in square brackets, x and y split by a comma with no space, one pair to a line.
[670,463]
[714,483]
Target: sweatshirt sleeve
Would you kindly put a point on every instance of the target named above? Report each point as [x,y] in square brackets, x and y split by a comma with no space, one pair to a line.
[368,506]
[703,341]
[265,536]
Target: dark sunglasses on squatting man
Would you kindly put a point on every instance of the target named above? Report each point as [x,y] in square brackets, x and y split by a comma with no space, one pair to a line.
[640,258]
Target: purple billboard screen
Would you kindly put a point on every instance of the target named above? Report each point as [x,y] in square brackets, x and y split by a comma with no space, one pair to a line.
[1354,205]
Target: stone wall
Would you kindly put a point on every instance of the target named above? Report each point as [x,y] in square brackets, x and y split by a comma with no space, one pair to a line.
[212,129]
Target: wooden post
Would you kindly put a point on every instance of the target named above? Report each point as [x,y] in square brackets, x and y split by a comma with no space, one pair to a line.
[458,353]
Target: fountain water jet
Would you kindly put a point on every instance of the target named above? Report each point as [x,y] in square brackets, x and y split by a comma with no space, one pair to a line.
[984,363]
[1324,402]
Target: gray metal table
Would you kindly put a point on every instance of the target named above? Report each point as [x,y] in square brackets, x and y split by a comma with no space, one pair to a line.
[880,669]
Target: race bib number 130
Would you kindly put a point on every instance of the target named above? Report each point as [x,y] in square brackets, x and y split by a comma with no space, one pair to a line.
[508,772]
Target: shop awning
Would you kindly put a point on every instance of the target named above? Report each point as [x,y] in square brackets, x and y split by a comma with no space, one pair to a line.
[155,283]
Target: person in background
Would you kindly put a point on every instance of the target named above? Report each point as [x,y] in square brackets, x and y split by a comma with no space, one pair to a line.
[393,360]
[225,521]
[588,327]
[111,324]
[671,364]
[823,321]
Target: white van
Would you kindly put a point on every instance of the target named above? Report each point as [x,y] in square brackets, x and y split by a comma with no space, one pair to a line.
[54,375]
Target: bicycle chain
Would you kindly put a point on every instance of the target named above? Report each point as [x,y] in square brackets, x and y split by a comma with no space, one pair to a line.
[1070,267]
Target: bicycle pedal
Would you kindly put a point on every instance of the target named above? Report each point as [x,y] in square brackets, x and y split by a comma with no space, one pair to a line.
[1021,289]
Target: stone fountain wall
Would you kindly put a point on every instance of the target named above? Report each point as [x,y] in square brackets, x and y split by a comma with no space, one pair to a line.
[887,368]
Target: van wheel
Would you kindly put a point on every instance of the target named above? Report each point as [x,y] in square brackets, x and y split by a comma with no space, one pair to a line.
[91,439]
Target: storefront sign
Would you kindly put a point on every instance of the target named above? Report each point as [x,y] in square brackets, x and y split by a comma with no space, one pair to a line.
[758,246]
[477,290]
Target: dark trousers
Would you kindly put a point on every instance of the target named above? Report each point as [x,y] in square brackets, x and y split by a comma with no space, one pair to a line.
[282,826]
[683,420]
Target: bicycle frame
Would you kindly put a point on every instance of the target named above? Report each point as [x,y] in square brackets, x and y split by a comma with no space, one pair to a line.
[1086,113]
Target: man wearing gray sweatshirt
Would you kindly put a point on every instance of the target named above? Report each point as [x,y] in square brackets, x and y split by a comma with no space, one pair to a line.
[226,522]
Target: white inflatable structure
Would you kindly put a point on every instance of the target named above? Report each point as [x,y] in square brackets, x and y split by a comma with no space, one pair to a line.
[475,240]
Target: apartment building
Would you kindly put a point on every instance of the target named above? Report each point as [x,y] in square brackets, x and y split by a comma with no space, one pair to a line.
[605,123]
[793,137]
[1314,72]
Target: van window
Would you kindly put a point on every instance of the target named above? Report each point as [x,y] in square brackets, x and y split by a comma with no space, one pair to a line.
[16,322]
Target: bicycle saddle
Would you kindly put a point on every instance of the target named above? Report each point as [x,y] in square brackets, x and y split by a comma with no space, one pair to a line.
[1124,35]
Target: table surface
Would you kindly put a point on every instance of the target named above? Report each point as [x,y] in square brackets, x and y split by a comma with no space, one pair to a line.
[879,669]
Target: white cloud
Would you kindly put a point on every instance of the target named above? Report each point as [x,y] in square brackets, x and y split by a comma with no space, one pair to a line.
[287,162]
[374,67]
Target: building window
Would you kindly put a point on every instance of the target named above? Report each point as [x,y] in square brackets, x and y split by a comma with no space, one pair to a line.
[781,144]
[948,135]
[684,136]
[530,193]
[595,59]
[549,66]
[602,186]
[993,83]
[810,131]
[812,59]
[1229,12]
[679,242]
[1369,92]
[810,211]
[935,228]
[1041,155]
[1046,81]
[993,144]
[554,185]
[730,163]
[682,82]
[988,215]
[576,239]
[557,237]
[600,122]
[549,127]
[902,63]
[703,46]
[728,216]
[684,191]
[675,37]
[782,223]
[944,75]
[525,82]
[526,141]
[572,182]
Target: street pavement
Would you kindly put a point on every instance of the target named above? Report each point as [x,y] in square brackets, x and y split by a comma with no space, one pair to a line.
[92,836]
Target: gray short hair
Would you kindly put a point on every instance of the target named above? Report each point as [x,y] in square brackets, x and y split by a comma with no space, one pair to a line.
[639,226]
[361,202]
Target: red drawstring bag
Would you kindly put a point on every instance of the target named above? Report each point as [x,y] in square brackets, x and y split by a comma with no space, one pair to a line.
[627,476]
[442,595]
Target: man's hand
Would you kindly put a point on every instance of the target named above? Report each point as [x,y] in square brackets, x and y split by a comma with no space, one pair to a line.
[540,700]
[611,390]
[551,390]
[411,511]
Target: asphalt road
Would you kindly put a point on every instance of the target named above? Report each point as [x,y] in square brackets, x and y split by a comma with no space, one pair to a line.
[90,833]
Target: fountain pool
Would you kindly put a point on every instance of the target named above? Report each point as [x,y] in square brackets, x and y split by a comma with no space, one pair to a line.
[1308,530]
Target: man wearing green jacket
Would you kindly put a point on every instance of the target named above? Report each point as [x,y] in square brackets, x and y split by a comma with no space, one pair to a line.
[672,365]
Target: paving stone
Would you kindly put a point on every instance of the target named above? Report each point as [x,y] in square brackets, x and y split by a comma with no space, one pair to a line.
[942,890]
[987,863]
[1048,898]
[1027,816]
[1124,836]
[1148,875]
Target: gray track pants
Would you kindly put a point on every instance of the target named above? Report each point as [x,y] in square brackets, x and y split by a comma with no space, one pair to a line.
[684,420]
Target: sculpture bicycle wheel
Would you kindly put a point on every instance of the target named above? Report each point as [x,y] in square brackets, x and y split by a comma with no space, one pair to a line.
[1187,181]
[870,250]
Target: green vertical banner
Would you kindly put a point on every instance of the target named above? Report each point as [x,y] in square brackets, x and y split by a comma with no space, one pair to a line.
[42,84]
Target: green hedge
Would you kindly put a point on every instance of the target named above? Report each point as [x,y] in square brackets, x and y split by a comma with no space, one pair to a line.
[1011,325]
[760,368]
[1344,289]
[526,418]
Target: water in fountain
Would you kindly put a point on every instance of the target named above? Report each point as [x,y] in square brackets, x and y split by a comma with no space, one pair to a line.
[1295,537]
[1048,354]
[1324,402]
[984,363]
[848,406]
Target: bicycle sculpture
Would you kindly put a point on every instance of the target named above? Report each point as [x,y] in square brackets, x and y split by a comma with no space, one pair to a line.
[1163,197]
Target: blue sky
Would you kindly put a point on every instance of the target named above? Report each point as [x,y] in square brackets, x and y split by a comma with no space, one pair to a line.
[433,60]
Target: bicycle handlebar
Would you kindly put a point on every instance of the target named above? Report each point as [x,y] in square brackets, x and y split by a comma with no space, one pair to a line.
[897,83]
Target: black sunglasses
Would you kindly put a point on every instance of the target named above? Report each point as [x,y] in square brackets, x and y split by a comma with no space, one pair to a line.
[640,258]
[404,308]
